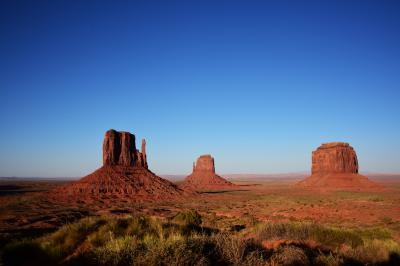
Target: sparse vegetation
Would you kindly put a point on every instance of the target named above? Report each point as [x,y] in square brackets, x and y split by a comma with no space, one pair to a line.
[327,236]
[189,218]
[338,228]
[181,240]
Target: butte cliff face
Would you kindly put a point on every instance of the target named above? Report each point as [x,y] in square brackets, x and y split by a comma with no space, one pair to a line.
[119,148]
[334,157]
[335,166]
[204,176]
[204,164]
[124,175]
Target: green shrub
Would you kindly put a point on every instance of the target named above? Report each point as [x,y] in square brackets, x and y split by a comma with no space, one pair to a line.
[238,251]
[309,231]
[191,218]
[140,226]
[290,256]
[173,252]
[120,251]
[294,231]
[375,233]
[334,237]
[111,229]
[328,260]
[374,251]
[70,236]
[100,237]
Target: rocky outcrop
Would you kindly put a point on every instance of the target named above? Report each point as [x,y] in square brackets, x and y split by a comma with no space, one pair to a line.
[124,175]
[142,155]
[111,148]
[334,157]
[204,177]
[334,167]
[205,163]
[119,148]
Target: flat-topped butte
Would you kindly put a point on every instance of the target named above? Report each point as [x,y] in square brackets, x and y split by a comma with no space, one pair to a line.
[333,144]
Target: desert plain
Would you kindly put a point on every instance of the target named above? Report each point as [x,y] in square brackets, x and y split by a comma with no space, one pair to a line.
[268,198]
[257,200]
[124,214]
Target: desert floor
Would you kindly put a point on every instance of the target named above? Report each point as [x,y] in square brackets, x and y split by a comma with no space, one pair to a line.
[24,212]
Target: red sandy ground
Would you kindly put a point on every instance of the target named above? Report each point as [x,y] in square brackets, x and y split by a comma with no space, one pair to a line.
[260,200]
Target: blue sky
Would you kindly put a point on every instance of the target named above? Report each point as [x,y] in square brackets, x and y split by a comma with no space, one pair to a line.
[257,84]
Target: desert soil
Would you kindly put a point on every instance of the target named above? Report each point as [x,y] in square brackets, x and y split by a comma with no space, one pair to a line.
[27,212]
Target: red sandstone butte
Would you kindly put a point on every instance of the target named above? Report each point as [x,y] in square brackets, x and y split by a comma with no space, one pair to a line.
[335,167]
[124,175]
[204,176]
[119,148]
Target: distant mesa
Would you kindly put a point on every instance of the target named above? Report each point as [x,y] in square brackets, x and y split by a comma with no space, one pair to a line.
[124,174]
[335,167]
[204,177]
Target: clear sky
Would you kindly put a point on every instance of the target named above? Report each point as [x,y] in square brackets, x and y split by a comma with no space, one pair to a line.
[257,84]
